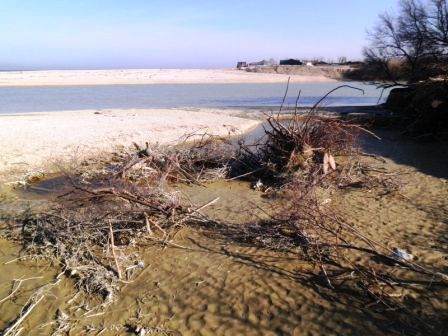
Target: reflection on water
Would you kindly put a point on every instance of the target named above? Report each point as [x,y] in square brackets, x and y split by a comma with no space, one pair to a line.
[62,98]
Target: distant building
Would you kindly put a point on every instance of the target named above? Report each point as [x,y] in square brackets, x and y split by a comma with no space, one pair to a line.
[241,65]
[290,62]
[263,62]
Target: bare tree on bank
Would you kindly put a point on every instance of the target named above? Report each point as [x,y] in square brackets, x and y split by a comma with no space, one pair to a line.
[416,38]
[438,24]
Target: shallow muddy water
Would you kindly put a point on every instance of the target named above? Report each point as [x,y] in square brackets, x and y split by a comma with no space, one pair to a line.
[221,286]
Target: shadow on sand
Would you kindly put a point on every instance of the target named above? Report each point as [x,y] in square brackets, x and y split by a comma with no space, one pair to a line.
[430,158]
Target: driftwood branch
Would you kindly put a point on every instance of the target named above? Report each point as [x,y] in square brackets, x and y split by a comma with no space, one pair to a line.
[112,246]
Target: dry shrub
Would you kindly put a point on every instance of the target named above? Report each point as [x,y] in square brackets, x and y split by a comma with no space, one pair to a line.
[313,150]
[304,147]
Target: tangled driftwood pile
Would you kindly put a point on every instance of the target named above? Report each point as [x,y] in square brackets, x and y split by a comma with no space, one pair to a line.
[91,229]
[306,146]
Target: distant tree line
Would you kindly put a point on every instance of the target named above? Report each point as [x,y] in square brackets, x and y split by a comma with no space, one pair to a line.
[411,44]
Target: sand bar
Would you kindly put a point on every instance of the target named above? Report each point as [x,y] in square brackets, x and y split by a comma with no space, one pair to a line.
[148,76]
[42,140]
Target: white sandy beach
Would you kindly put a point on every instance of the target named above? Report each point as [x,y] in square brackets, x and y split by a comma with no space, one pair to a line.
[41,140]
[148,76]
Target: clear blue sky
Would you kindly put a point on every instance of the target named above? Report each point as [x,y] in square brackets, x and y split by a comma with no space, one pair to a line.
[94,34]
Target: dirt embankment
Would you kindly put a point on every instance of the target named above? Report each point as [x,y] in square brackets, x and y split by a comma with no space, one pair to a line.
[330,71]
[422,107]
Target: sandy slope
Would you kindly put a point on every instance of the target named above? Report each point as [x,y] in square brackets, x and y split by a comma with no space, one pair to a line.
[147,76]
[39,140]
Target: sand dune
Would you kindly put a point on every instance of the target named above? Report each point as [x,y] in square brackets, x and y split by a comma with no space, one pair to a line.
[148,76]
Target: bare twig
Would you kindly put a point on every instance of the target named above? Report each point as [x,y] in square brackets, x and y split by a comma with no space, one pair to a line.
[33,301]
[112,244]
[19,282]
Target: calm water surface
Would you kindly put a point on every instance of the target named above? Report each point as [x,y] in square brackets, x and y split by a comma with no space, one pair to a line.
[64,98]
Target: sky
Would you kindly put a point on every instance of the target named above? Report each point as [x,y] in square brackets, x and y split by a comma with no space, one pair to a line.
[113,34]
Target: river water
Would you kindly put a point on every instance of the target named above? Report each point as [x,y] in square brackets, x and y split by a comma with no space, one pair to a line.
[65,98]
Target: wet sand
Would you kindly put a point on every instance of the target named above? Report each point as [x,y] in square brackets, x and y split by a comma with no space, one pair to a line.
[222,287]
